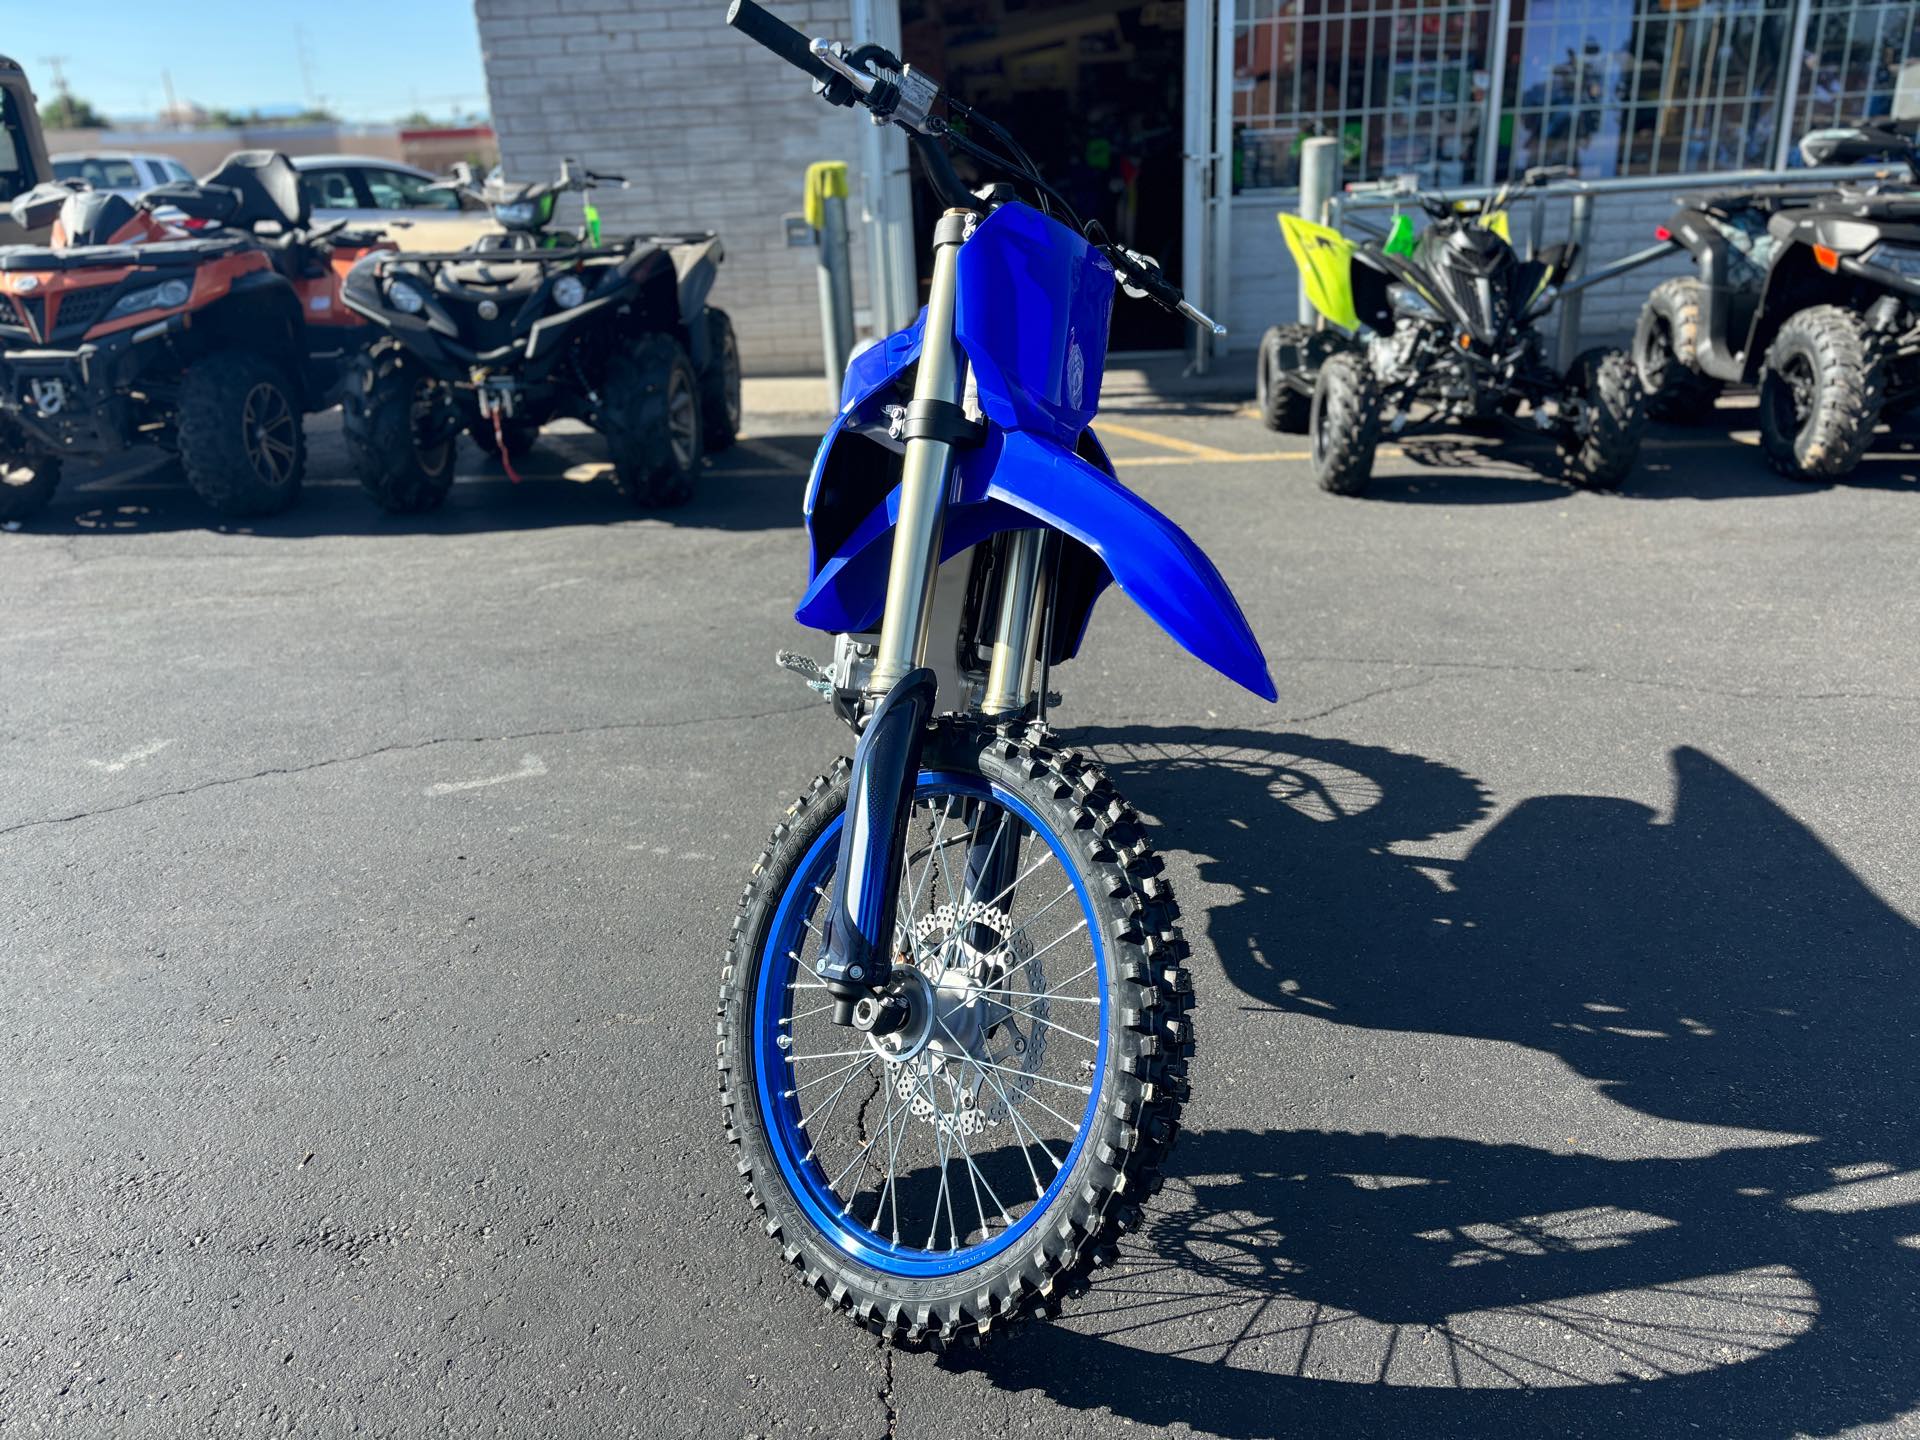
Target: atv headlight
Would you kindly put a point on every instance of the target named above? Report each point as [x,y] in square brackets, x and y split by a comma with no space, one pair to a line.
[569,291]
[518,213]
[1901,259]
[167,295]
[405,298]
[1406,300]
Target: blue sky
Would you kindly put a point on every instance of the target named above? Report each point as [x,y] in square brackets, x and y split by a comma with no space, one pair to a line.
[368,60]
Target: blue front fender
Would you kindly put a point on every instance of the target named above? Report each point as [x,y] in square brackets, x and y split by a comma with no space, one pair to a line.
[1008,483]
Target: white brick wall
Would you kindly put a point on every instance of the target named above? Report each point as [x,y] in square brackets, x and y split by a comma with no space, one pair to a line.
[712,131]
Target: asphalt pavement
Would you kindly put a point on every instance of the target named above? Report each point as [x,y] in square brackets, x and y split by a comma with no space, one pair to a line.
[366,882]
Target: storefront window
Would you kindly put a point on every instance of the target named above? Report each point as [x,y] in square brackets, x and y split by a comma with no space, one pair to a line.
[1644,87]
[1862,62]
[1402,85]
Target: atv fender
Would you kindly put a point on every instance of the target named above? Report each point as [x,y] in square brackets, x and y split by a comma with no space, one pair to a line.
[1011,481]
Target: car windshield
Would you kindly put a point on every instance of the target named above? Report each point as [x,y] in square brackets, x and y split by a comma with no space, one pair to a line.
[396,190]
[16,166]
[101,174]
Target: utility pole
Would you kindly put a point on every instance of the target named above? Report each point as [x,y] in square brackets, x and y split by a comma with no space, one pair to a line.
[306,65]
[57,64]
[173,107]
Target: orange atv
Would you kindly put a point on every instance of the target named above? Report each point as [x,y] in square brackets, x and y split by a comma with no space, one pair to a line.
[126,328]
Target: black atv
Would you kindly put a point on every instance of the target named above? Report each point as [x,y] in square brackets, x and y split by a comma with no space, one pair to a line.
[126,329]
[531,325]
[1445,320]
[1825,317]
[1728,233]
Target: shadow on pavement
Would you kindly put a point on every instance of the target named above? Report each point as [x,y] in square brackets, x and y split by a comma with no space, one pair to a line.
[756,485]
[1716,966]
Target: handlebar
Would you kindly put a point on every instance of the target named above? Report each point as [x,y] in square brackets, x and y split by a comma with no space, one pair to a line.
[781,38]
[897,94]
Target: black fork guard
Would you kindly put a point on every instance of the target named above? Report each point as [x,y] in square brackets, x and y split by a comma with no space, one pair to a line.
[857,940]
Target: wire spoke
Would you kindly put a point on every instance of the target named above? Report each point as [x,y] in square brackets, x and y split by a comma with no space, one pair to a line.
[1051,1025]
[822,1079]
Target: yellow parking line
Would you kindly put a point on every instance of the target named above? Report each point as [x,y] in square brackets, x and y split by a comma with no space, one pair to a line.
[1167,442]
[1218,457]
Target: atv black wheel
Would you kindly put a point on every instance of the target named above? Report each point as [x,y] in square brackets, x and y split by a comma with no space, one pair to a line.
[720,385]
[242,446]
[27,483]
[1344,424]
[401,433]
[650,414]
[1044,1142]
[1821,393]
[1666,352]
[1284,350]
[520,436]
[1599,450]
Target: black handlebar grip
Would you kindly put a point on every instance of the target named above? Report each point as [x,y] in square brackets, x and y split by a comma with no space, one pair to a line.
[760,24]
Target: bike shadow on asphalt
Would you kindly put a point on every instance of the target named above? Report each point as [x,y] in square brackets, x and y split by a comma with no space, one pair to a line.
[1715,966]
[564,481]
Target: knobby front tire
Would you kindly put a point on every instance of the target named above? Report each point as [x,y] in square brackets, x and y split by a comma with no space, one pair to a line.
[938,1195]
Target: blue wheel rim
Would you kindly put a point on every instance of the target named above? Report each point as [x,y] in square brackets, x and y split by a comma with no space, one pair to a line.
[805,1179]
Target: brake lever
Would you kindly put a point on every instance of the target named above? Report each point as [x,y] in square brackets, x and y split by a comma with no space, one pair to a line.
[1143,278]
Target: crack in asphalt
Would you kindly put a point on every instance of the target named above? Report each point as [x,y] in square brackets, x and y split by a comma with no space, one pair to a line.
[401,748]
[886,1393]
[1338,706]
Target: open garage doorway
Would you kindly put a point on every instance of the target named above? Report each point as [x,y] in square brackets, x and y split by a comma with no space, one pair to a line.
[1092,89]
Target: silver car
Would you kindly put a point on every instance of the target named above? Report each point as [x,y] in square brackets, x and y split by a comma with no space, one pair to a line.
[374,193]
[125,172]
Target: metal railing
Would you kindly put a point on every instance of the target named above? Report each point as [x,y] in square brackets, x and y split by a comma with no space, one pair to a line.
[1337,209]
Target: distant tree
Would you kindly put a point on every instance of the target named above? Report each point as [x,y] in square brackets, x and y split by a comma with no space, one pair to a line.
[417,120]
[239,119]
[70,112]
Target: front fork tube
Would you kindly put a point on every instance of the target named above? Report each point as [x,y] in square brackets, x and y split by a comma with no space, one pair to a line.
[858,940]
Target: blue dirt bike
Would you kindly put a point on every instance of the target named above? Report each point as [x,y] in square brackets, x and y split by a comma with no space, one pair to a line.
[953,1033]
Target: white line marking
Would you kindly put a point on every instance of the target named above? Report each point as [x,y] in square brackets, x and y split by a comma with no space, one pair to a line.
[132,757]
[531,767]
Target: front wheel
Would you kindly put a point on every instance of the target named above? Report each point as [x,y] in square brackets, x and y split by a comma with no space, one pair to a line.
[1821,393]
[400,429]
[650,415]
[242,445]
[1601,445]
[1344,425]
[974,1165]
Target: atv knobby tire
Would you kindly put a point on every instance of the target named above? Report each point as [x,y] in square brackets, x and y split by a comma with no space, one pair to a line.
[1146,1031]
[242,445]
[650,416]
[1603,456]
[405,471]
[1344,423]
[1284,349]
[1666,352]
[1821,393]
[720,385]
[27,483]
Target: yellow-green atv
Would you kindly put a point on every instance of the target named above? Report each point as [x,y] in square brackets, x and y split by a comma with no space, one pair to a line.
[1428,328]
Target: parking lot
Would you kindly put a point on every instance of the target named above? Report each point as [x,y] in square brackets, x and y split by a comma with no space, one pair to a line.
[366,881]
